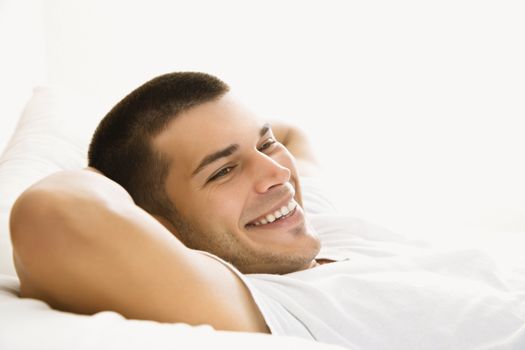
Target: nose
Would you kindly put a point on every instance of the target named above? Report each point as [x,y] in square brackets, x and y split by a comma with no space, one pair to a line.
[269,173]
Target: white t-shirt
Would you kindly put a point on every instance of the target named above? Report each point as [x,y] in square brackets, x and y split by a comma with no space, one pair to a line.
[387,292]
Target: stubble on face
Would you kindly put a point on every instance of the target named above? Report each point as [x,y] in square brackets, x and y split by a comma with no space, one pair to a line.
[216,230]
[246,258]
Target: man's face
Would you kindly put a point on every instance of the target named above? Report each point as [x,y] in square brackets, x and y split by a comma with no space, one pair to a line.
[229,179]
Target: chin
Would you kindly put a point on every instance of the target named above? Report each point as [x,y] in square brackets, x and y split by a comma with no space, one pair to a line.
[286,261]
[276,269]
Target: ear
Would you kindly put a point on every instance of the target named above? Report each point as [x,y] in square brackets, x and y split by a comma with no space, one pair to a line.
[167,225]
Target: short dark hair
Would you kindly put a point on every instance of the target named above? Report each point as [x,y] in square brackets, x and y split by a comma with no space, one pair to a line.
[121,147]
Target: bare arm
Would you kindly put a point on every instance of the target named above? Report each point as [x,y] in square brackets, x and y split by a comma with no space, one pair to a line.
[82,245]
[296,141]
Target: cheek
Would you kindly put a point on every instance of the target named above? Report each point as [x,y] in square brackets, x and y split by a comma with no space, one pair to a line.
[224,208]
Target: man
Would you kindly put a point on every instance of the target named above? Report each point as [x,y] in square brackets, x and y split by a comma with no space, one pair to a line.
[185,180]
[214,171]
[208,170]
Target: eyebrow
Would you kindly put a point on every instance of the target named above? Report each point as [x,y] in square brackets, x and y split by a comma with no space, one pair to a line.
[225,152]
[264,129]
[210,158]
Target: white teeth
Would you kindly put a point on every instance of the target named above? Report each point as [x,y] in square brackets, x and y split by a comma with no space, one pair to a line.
[285,210]
[270,218]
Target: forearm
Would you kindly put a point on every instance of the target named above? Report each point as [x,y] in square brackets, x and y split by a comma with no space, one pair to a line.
[295,140]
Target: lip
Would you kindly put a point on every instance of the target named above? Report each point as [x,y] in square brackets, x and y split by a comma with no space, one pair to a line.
[293,220]
[278,206]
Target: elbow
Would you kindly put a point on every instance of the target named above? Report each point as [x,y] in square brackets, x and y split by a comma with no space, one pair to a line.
[41,232]
[31,226]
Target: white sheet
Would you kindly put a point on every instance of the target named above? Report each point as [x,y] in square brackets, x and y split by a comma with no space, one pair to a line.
[31,325]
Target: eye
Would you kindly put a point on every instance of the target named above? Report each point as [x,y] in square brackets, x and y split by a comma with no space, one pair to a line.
[266,145]
[221,173]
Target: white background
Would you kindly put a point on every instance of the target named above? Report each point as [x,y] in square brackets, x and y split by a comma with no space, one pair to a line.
[416,108]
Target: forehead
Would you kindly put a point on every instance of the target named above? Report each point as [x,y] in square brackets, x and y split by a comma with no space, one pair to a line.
[207,128]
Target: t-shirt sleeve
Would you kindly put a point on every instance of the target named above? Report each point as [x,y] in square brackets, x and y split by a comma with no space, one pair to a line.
[277,318]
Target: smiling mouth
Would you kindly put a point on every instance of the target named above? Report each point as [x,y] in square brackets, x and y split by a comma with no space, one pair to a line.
[284,212]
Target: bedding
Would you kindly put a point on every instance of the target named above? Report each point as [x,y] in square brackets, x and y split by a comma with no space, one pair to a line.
[31,324]
[52,134]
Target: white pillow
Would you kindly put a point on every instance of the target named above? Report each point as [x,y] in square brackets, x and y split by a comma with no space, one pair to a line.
[53,133]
